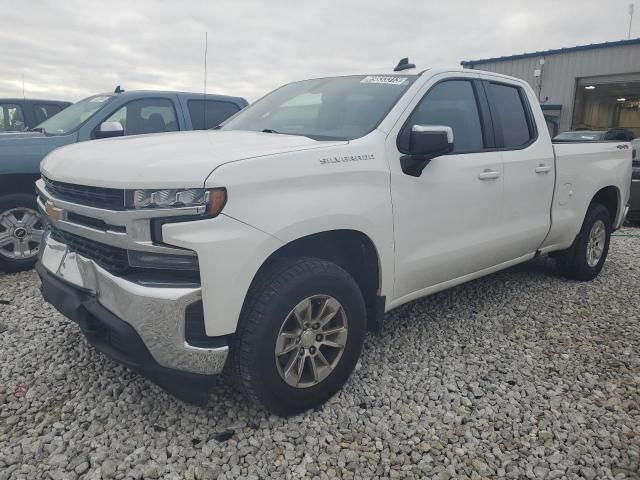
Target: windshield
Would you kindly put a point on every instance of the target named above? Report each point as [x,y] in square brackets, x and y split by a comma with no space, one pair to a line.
[73,116]
[339,108]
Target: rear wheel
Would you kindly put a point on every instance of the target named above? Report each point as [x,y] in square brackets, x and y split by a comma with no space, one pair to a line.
[586,257]
[21,230]
[299,336]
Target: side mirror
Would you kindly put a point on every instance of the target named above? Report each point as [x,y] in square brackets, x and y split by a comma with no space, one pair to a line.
[109,130]
[426,142]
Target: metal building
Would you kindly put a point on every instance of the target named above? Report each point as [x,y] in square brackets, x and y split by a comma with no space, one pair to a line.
[592,87]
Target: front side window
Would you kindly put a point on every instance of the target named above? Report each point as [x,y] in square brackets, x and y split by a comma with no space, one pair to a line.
[72,117]
[11,118]
[451,103]
[148,115]
[510,114]
[337,108]
[210,113]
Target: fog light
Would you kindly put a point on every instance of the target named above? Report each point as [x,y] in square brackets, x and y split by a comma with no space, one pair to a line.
[162,261]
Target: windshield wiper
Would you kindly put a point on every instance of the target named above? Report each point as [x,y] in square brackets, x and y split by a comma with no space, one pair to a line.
[307,135]
[36,129]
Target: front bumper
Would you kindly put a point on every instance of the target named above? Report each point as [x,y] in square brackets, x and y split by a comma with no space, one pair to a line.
[150,318]
[118,340]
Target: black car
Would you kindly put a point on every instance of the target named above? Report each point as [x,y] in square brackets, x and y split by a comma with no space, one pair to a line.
[634,201]
[18,114]
[613,134]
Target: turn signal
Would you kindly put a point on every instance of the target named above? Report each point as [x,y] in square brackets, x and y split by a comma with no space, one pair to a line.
[217,201]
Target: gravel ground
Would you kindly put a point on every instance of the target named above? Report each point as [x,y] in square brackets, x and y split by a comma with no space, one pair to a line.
[518,375]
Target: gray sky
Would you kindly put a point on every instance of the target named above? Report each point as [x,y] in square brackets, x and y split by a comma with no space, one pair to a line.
[74,48]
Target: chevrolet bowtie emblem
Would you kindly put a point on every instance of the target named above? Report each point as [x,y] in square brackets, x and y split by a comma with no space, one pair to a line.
[53,213]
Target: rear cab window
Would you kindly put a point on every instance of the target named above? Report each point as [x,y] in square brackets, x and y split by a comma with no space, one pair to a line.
[512,117]
[206,114]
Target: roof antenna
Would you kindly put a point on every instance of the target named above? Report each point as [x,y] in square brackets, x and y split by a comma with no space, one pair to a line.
[404,65]
[204,94]
[118,90]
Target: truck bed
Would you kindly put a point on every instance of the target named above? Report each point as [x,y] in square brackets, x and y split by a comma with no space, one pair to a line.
[582,170]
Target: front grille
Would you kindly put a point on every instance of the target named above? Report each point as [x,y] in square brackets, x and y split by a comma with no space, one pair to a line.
[96,223]
[108,198]
[112,259]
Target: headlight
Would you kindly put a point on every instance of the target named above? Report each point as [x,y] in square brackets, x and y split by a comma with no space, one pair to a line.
[169,198]
[214,199]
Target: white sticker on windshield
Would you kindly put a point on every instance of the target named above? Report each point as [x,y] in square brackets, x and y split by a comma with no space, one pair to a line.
[384,79]
[99,99]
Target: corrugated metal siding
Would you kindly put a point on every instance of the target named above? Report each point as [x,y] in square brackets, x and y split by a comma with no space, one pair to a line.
[562,70]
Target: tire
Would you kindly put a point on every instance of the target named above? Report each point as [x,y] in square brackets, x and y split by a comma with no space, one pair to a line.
[268,314]
[16,212]
[574,262]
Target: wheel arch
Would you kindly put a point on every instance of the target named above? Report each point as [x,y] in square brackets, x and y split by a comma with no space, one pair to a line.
[18,183]
[610,198]
[353,251]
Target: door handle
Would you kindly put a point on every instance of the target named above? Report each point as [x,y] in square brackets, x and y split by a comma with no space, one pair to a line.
[488,174]
[542,168]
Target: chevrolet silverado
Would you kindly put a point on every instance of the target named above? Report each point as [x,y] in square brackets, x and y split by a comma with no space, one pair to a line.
[266,248]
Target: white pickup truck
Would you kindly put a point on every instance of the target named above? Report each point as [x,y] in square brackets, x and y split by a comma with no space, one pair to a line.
[267,248]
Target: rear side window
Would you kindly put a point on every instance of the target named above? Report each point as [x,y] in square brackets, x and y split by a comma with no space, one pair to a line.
[510,114]
[42,111]
[11,118]
[451,103]
[210,113]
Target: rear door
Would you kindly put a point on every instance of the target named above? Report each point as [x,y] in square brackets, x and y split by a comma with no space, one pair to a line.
[206,114]
[528,162]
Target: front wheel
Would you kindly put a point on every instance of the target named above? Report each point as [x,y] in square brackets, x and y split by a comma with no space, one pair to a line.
[21,230]
[300,335]
[586,257]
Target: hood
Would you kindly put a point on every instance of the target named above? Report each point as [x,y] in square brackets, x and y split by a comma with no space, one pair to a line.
[168,160]
[20,139]
[22,152]
[6,135]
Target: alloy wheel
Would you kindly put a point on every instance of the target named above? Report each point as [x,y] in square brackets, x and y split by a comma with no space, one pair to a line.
[21,230]
[311,341]
[596,242]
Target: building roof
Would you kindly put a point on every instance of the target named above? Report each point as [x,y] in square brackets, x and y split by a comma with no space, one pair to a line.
[591,46]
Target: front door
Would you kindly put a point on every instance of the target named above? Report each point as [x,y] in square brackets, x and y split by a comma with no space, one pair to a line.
[447,221]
